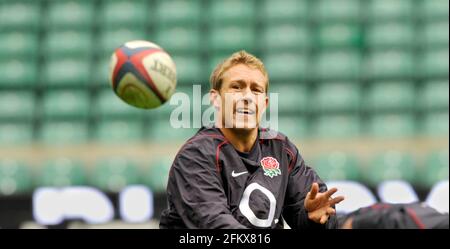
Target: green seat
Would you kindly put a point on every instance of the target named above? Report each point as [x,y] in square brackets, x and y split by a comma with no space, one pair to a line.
[286,66]
[70,14]
[15,177]
[436,124]
[392,125]
[336,126]
[66,104]
[16,105]
[119,131]
[286,11]
[288,37]
[61,172]
[123,13]
[20,15]
[333,35]
[434,95]
[190,70]
[15,133]
[180,39]
[157,175]
[435,168]
[337,97]
[437,9]
[294,127]
[391,165]
[161,131]
[66,71]
[112,39]
[337,165]
[382,10]
[330,10]
[109,105]
[434,63]
[114,173]
[435,34]
[389,64]
[335,65]
[232,11]
[391,35]
[67,43]
[179,12]
[64,133]
[18,72]
[388,96]
[101,74]
[215,59]
[292,98]
[232,38]
[19,45]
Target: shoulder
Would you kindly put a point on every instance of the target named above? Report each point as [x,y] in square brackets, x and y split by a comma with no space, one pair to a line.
[277,137]
[202,146]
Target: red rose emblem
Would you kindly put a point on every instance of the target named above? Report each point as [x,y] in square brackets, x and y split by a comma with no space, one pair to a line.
[270,166]
[270,163]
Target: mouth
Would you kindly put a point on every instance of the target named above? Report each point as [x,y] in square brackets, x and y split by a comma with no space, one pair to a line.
[244,111]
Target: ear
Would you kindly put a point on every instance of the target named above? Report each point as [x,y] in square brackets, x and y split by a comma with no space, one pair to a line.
[214,98]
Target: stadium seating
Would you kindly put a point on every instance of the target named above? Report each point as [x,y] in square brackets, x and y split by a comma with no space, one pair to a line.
[390,96]
[156,175]
[114,173]
[435,168]
[59,133]
[231,11]
[20,15]
[337,126]
[344,70]
[13,134]
[292,97]
[392,126]
[382,10]
[60,104]
[66,71]
[337,97]
[17,105]
[337,165]
[118,131]
[391,165]
[434,95]
[284,11]
[70,14]
[61,172]
[178,12]
[15,177]
[68,43]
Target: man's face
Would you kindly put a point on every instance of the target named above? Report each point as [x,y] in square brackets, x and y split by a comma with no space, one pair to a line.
[242,98]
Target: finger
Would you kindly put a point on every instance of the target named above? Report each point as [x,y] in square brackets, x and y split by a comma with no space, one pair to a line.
[324,219]
[314,190]
[330,192]
[331,211]
[336,200]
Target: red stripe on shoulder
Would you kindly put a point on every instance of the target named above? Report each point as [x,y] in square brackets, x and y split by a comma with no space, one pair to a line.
[217,155]
[415,218]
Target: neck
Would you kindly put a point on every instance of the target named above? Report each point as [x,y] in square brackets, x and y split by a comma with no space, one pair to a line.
[241,139]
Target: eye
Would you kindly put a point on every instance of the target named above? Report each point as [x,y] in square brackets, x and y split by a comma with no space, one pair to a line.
[235,86]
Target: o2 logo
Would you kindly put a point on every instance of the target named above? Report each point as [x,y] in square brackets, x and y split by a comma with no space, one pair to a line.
[51,206]
[245,209]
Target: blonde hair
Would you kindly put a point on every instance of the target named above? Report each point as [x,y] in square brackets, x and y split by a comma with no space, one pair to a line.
[241,57]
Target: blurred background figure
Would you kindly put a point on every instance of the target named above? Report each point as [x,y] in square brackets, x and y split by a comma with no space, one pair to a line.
[363,92]
[395,216]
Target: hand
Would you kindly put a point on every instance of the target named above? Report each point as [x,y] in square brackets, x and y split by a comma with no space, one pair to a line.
[319,205]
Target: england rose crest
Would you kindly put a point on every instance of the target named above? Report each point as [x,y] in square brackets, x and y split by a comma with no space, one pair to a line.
[270,166]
